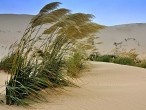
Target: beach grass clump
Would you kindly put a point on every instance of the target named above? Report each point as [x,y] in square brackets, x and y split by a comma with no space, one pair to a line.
[102,58]
[74,64]
[126,58]
[22,85]
[142,63]
[51,66]
[6,63]
[113,59]
[122,57]
[106,58]
[124,61]
[93,56]
[38,61]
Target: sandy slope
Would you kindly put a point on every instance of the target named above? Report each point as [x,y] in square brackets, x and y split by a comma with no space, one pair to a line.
[11,30]
[119,33]
[104,86]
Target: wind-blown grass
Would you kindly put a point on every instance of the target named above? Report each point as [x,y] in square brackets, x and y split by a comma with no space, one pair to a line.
[124,61]
[39,56]
[6,63]
[142,63]
[75,64]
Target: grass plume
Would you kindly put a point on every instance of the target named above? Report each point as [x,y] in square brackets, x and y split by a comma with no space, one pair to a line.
[36,62]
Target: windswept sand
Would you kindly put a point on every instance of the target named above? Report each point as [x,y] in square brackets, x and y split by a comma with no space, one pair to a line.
[104,86]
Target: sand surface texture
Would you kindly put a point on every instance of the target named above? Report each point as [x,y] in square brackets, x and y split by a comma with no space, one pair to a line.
[104,86]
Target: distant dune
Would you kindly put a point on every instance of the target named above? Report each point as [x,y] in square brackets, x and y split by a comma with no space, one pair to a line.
[120,33]
[13,26]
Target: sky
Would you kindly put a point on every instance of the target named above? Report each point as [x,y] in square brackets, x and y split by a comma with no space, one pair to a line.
[106,12]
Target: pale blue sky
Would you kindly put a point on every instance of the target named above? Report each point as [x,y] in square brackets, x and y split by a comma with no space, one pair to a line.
[107,12]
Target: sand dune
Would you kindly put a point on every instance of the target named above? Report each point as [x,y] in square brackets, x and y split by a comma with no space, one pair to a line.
[103,86]
[11,30]
[13,26]
[119,33]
